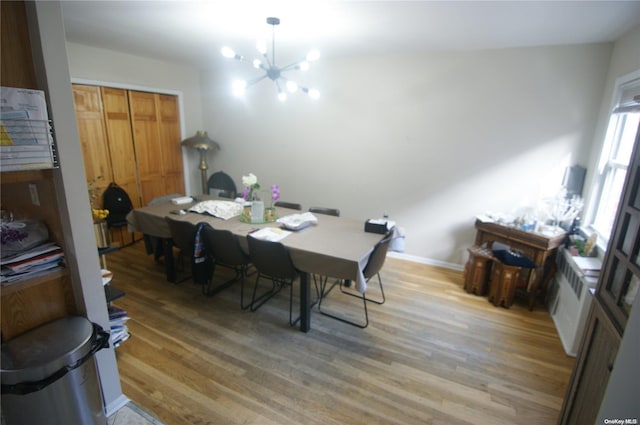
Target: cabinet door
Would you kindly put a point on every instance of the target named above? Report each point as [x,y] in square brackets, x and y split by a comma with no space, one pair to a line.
[593,368]
[118,124]
[621,277]
[93,139]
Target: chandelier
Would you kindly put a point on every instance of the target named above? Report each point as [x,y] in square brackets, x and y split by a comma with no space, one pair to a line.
[271,70]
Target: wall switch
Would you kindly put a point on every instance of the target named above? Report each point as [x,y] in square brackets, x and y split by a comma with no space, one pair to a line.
[33,191]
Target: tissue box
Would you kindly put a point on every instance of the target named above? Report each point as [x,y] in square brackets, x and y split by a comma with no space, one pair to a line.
[375,226]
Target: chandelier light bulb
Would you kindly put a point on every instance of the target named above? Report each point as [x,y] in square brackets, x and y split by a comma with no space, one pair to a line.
[228,52]
[313,55]
[257,63]
[292,86]
[282,96]
[239,87]
[303,66]
[314,94]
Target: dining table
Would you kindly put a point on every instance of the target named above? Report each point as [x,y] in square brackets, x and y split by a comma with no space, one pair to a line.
[337,247]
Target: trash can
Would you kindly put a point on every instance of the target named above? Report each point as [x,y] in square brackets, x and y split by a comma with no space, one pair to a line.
[49,374]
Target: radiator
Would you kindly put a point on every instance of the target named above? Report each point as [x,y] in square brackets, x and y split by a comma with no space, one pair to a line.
[569,301]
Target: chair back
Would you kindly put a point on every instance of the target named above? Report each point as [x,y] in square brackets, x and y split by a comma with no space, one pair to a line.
[326,211]
[222,181]
[377,258]
[182,234]
[224,247]
[271,258]
[290,205]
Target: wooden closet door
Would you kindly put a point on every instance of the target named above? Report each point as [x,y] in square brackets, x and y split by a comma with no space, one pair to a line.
[93,139]
[155,151]
[170,143]
[118,125]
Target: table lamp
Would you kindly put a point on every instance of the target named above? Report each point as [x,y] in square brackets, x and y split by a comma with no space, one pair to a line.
[202,143]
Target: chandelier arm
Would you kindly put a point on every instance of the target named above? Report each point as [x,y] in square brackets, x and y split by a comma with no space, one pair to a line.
[255,80]
[291,65]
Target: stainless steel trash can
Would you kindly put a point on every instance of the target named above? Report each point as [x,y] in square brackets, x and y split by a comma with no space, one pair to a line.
[49,375]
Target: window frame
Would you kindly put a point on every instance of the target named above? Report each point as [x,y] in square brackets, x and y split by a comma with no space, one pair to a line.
[607,164]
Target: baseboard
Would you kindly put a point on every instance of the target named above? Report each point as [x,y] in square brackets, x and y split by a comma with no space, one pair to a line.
[116,405]
[427,261]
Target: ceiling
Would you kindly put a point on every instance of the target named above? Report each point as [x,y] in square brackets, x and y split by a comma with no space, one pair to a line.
[193,32]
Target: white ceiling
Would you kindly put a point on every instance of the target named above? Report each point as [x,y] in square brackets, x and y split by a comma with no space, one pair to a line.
[194,31]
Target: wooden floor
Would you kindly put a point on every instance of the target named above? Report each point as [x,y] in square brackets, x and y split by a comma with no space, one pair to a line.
[432,354]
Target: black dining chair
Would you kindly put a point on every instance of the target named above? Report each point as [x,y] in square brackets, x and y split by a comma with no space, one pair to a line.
[272,261]
[182,237]
[289,205]
[223,183]
[374,265]
[326,211]
[225,250]
[152,244]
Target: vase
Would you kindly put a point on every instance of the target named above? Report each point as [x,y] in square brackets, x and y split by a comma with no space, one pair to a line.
[269,214]
[102,234]
[257,212]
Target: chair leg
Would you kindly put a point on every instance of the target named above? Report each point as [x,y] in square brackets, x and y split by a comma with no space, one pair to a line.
[266,296]
[211,290]
[380,301]
[325,292]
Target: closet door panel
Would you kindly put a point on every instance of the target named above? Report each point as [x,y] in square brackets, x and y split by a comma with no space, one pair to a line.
[146,135]
[170,142]
[123,159]
[93,137]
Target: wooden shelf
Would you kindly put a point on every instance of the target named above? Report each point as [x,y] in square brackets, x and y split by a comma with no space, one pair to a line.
[25,176]
[29,283]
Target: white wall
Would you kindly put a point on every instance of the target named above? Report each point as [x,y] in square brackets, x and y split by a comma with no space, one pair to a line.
[431,139]
[109,67]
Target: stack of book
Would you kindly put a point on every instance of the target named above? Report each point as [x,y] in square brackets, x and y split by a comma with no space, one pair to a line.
[26,140]
[119,331]
[590,267]
[31,263]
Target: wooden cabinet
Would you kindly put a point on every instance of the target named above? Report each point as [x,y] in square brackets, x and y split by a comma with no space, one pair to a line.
[132,138]
[610,310]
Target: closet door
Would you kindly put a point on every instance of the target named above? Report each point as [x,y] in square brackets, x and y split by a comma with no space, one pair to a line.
[118,125]
[156,136]
[93,139]
[170,144]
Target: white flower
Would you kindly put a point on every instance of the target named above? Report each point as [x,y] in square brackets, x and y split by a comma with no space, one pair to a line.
[249,180]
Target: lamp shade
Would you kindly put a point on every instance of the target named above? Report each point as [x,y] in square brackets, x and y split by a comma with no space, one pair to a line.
[201,141]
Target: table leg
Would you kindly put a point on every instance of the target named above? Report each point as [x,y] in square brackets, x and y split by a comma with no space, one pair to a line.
[305,302]
[170,270]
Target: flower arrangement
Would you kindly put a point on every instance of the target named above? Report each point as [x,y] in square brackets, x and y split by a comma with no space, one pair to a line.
[251,190]
[99,215]
[251,187]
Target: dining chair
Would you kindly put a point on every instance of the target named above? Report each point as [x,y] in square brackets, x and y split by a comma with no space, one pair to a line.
[373,267]
[272,261]
[222,182]
[182,236]
[326,211]
[290,205]
[152,244]
[225,250]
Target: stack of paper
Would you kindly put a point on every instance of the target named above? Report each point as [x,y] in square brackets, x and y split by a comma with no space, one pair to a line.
[26,140]
[117,320]
[31,263]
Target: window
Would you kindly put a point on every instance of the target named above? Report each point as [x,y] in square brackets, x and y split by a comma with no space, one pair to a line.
[614,158]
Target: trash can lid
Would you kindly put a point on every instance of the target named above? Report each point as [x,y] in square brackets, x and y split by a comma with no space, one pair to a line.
[42,351]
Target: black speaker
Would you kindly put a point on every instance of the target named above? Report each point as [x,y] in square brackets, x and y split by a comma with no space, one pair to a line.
[574,180]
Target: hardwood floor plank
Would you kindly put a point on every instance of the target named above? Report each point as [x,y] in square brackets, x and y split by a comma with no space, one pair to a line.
[432,354]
